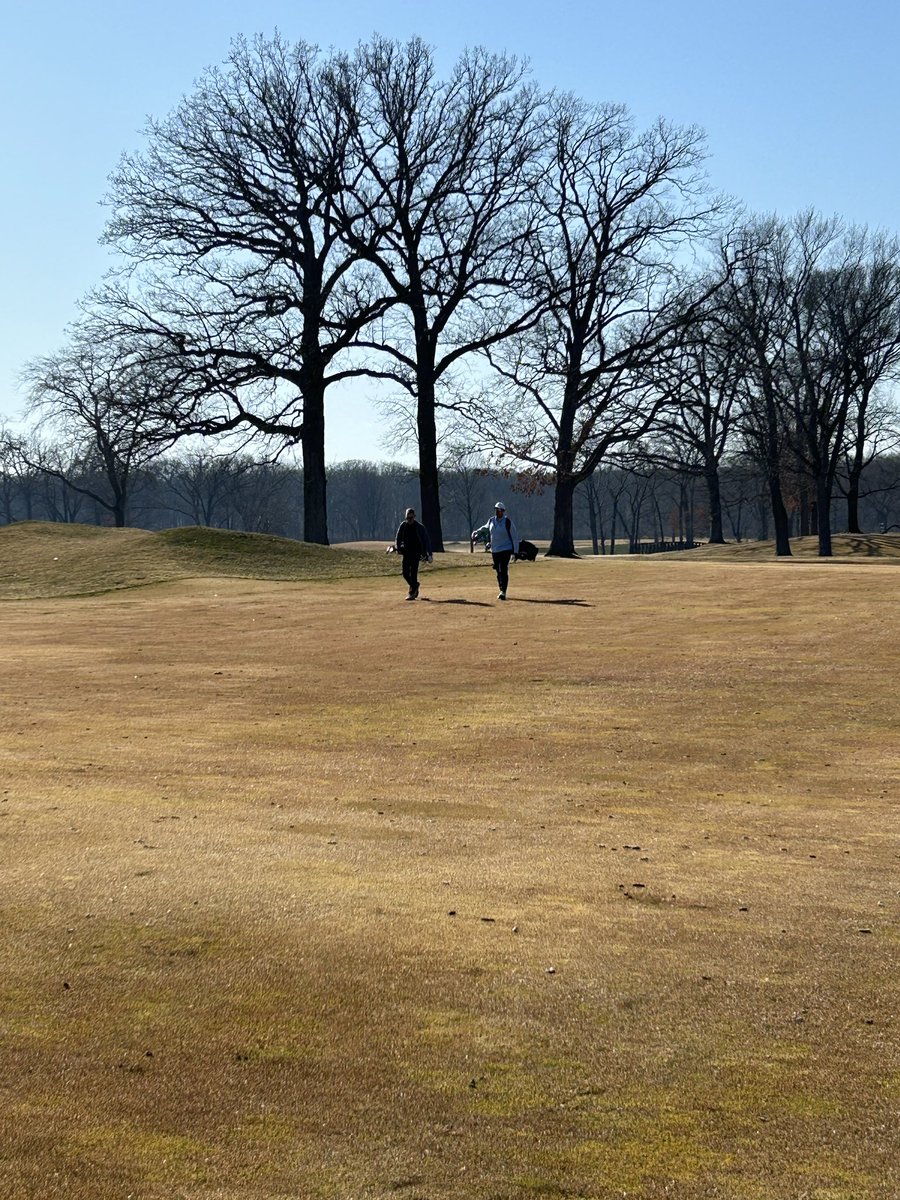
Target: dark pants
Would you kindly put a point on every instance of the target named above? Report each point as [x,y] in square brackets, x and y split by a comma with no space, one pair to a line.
[411,571]
[501,566]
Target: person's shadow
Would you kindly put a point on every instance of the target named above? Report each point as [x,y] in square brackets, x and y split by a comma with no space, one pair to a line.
[473,603]
[570,602]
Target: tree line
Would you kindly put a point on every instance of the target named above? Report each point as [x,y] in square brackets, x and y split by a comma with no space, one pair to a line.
[618,509]
[517,272]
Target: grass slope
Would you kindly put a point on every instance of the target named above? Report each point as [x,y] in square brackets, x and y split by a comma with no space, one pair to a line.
[883,547]
[41,559]
[45,559]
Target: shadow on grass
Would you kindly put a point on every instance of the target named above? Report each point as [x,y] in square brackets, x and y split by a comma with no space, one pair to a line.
[577,603]
[474,603]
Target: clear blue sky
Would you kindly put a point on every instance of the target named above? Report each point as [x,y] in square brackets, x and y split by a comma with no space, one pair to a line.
[799,99]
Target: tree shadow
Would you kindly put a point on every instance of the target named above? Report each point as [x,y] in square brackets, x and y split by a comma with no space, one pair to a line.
[525,600]
[865,545]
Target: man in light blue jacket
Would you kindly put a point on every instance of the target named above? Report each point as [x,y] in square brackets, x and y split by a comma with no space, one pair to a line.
[504,544]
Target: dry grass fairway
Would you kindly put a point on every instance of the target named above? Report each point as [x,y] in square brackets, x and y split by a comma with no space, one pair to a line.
[311,894]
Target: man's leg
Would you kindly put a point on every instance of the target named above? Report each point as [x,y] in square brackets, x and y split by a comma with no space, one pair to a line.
[411,574]
[501,565]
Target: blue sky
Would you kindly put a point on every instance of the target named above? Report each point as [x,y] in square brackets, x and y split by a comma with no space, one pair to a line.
[799,100]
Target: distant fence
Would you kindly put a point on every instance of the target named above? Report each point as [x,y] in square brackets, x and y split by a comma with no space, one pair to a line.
[660,547]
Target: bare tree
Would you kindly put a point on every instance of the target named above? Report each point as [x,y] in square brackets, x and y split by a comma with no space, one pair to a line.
[104,407]
[369,498]
[464,472]
[200,484]
[699,376]
[864,316]
[448,166]
[236,212]
[18,480]
[754,323]
[617,208]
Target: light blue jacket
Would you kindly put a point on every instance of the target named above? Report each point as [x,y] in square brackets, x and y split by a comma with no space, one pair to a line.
[502,533]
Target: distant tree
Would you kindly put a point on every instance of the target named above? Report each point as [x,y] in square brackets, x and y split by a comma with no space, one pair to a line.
[820,384]
[752,314]
[863,311]
[68,473]
[741,485]
[260,498]
[880,495]
[874,432]
[201,484]
[104,409]
[697,373]
[466,485]
[368,498]
[591,493]
[18,480]
[812,311]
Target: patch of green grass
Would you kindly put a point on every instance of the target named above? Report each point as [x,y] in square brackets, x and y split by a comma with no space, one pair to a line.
[158,1156]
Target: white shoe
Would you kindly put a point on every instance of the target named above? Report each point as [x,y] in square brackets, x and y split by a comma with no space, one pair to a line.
[502,596]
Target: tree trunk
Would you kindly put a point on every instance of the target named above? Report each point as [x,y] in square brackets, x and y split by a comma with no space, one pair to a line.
[762,512]
[855,466]
[312,441]
[562,544]
[803,512]
[823,515]
[592,519]
[714,494]
[779,519]
[429,483]
[660,535]
[853,504]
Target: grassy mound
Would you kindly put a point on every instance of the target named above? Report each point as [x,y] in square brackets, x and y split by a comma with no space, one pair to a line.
[42,559]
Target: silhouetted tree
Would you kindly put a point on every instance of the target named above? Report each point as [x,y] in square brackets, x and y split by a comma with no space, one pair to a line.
[447,166]
[864,317]
[754,323]
[105,409]
[616,207]
[697,373]
[238,206]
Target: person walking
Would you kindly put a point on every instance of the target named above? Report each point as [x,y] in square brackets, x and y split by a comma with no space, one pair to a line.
[504,544]
[414,544]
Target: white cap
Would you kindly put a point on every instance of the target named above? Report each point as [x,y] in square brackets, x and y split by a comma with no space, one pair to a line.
[500,504]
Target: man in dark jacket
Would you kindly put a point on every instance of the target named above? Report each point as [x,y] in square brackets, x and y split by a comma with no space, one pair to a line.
[414,544]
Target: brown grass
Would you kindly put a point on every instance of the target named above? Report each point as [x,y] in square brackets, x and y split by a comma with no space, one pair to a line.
[309,892]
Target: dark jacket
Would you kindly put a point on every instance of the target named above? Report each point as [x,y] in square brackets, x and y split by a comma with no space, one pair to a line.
[413,541]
